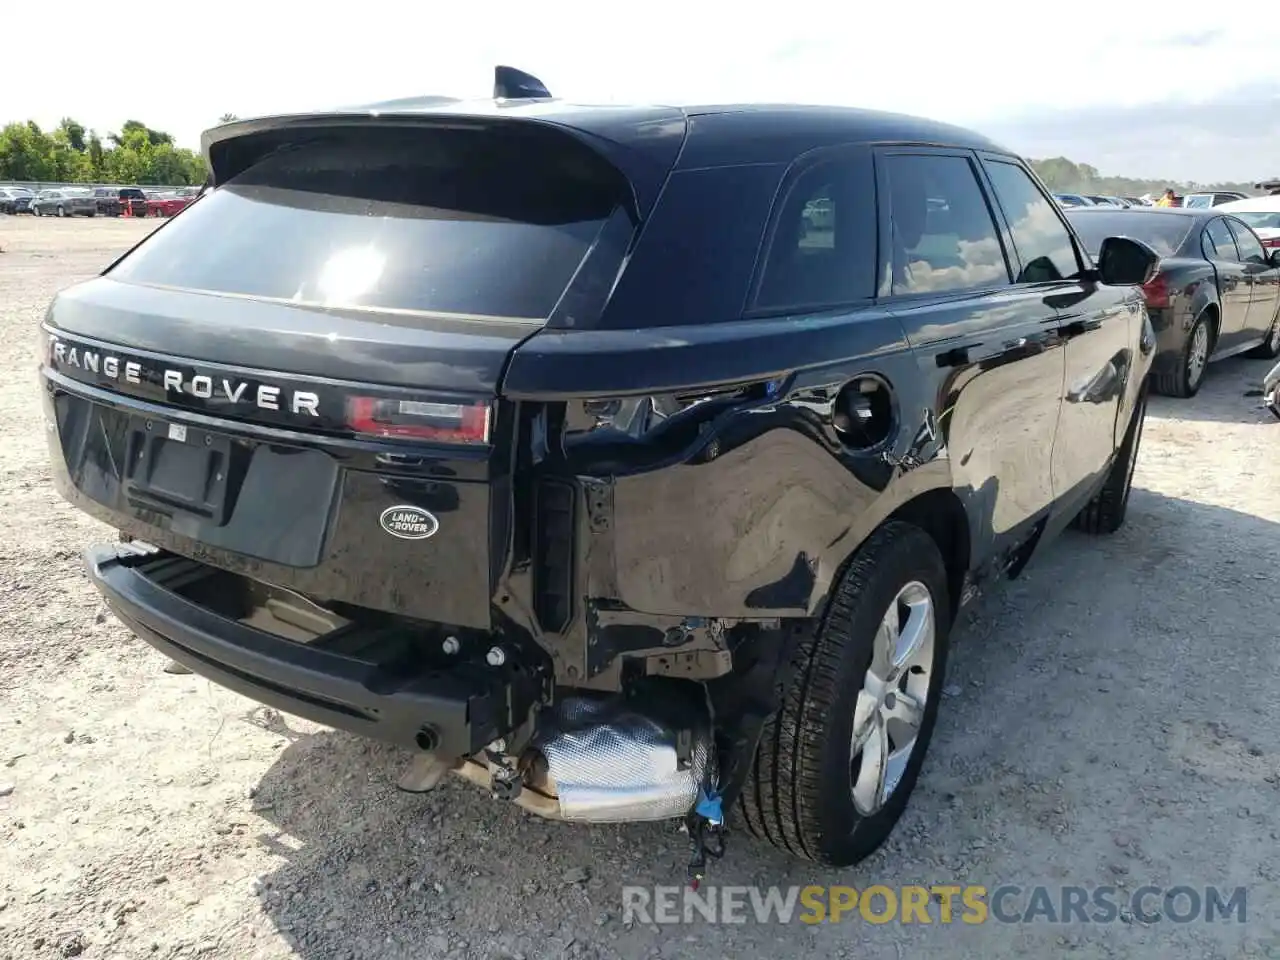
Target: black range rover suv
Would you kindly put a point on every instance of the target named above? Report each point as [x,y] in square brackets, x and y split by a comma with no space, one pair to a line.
[631,463]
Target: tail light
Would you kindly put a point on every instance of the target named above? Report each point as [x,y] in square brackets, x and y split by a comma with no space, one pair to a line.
[419,420]
[1271,243]
[1157,292]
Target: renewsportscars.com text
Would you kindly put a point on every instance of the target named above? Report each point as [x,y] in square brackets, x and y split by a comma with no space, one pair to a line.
[939,903]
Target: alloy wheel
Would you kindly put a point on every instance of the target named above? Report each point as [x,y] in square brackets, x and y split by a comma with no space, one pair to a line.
[1198,355]
[890,707]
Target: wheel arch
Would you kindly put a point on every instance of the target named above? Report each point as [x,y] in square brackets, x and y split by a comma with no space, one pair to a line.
[940,513]
[1213,313]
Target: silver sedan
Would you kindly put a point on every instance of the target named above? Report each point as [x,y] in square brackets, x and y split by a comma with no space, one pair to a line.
[64,203]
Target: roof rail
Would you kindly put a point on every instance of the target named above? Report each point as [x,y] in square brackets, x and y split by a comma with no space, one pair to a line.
[512,84]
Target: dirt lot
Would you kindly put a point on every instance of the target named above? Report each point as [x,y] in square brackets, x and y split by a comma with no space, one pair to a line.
[1112,719]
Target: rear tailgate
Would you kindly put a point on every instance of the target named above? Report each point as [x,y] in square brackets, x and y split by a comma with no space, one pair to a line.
[297,379]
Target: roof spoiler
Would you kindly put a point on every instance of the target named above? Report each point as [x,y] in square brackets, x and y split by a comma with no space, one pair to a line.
[512,84]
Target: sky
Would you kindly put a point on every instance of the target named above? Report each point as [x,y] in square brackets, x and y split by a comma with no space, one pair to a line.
[1136,91]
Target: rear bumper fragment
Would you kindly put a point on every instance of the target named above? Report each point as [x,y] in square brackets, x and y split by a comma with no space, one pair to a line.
[387,682]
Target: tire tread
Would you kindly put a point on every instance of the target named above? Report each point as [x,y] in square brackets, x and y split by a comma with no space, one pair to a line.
[1105,513]
[784,806]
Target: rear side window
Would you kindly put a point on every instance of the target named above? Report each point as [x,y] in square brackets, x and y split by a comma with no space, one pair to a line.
[943,237]
[1044,243]
[1217,241]
[463,222]
[1250,249]
[697,251]
[823,249]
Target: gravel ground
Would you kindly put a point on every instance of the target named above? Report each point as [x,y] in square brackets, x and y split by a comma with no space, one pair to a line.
[1111,719]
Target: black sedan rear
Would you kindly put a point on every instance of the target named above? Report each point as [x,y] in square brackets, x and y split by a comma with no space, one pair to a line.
[15,200]
[1215,294]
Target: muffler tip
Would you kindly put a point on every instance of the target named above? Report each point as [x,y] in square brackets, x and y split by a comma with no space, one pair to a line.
[427,739]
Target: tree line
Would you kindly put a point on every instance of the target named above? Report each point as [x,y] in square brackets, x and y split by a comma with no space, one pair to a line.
[1065,176]
[73,154]
[70,153]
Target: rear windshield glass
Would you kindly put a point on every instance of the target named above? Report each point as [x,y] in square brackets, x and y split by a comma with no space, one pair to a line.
[1259,219]
[459,222]
[1162,232]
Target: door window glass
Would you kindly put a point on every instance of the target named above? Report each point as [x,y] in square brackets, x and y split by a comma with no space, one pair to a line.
[823,248]
[1247,243]
[943,236]
[1217,242]
[1044,243]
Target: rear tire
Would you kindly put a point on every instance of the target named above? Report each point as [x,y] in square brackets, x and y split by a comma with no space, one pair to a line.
[1105,513]
[811,792]
[1270,348]
[1186,379]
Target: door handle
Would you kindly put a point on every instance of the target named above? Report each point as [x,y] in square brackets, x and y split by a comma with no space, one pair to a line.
[1078,326]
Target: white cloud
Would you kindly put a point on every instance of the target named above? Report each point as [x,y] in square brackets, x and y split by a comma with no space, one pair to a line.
[956,62]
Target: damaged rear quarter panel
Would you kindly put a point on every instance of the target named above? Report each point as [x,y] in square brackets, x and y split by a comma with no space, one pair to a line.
[756,517]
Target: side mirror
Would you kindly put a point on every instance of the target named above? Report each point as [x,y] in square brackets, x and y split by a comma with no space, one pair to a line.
[1123,261]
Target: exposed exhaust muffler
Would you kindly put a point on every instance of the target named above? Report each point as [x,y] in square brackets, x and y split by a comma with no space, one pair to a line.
[604,761]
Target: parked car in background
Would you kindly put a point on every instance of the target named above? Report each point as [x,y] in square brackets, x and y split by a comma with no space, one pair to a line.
[1104,201]
[1262,214]
[1072,200]
[16,199]
[1216,291]
[1201,200]
[65,202]
[166,204]
[112,201]
[1136,201]
[1269,187]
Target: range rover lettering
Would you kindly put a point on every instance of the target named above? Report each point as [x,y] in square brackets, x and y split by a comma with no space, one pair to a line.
[632,463]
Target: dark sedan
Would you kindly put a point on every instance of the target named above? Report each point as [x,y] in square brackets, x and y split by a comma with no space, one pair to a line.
[1072,200]
[1216,291]
[15,200]
[111,201]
